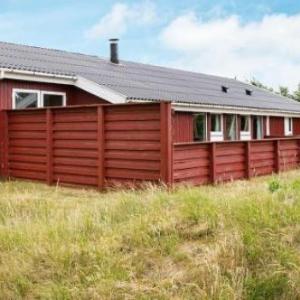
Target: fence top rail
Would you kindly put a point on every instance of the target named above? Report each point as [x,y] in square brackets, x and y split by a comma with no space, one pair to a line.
[85,106]
[237,141]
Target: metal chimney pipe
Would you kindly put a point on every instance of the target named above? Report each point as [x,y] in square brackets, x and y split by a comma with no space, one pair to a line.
[114,56]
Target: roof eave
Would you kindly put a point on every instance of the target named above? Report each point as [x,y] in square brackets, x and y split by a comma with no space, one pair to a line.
[89,86]
[212,108]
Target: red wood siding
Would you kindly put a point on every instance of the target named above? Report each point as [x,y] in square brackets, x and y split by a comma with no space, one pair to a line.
[192,163]
[199,163]
[183,130]
[75,96]
[96,145]
[276,126]
[80,97]
[296,126]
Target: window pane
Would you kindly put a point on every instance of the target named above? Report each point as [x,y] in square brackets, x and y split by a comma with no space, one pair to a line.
[26,100]
[231,127]
[199,127]
[259,133]
[215,123]
[290,124]
[53,100]
[244,123]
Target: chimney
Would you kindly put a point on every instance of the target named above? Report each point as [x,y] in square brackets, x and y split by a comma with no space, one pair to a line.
[114,57]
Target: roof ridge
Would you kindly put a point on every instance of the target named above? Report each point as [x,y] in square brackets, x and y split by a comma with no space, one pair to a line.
[51,49]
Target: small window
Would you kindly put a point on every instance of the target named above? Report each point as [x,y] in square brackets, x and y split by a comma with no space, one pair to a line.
[245,126]
[199,127]
[25,99]
[248,92]
[288,126]
[224,89]
[53,99]
[216,123]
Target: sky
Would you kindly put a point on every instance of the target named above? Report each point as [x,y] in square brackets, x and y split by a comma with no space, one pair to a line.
[242,39]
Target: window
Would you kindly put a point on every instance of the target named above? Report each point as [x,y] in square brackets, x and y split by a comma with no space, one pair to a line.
[216,127]
[53,99]
[248,92]
[245,134]
[267,125]
[230,127]
[34,99]
[200,127]
[25,99]
[257,127]
[215,123]
[245,123]
[288,126]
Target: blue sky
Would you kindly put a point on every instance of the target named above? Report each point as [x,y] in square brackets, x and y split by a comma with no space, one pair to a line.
[232,38]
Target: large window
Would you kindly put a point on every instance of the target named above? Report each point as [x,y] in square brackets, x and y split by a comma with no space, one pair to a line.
[230,128]
[216,127]
[216,123]
[257,127]
[34,99]
[288,126]
[245,123]
[200,127]
[245,133]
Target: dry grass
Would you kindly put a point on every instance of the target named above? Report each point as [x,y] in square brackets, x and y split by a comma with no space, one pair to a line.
[234,241]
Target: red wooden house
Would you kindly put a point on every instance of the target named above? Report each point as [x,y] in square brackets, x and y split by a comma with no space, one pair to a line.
[200,118]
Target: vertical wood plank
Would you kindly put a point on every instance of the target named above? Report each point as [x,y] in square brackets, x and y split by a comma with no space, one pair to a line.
[277,155]
[298,152]
[101,146]
[49,138]
[213,168]
[166,154]
[248,159]
[4,144]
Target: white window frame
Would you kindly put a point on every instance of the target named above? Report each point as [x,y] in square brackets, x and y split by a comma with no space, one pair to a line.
[40,97]
[267,125]
[53,93]
[15,91]
[217,136]
[246,135]
[288,132]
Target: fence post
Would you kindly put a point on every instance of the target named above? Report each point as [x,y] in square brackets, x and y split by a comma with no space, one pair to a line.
[166,145]
[101,144]
[213,163]
[277,156]
[248,159]
[49,142]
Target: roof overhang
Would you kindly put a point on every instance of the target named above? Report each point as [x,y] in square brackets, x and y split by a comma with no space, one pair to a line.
[191,107]
[89,86]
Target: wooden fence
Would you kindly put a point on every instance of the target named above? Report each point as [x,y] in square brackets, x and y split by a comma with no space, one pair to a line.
[201,163]
[127,144]
[92,145]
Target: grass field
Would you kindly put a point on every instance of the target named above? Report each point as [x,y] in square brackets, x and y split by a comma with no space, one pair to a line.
[235,241]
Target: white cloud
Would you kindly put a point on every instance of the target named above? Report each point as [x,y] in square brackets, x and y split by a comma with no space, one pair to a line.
[268,50]
[121,16]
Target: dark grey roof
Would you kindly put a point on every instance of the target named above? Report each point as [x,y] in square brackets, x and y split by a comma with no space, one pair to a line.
[141,81]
